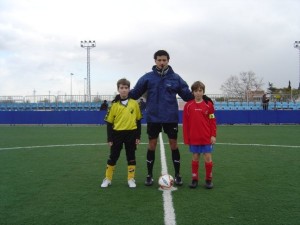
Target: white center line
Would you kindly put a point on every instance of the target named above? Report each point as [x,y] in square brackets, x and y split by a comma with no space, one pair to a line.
[169,212]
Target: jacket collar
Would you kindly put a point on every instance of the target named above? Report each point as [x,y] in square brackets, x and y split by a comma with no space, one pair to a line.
[169,70]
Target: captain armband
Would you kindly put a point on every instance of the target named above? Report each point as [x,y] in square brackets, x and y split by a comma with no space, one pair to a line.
[211,116]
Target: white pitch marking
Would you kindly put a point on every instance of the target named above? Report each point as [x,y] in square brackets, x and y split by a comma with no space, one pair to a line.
[48,146]
[169,212]
[74,145]
[259,145]
[53,146]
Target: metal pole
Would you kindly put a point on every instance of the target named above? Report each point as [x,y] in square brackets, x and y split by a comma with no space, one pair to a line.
[297,45]
[88,45]
[84,91]
[88,74]
[71,91]
[299,67]
[34,91]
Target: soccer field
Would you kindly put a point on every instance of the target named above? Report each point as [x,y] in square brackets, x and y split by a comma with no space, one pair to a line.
[52,175]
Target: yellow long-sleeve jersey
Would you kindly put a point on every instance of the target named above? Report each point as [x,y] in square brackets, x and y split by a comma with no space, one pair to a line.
[124,117]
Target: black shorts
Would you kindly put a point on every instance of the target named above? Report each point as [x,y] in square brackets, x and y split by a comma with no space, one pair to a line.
[126,137]
[120,138]
[153,130]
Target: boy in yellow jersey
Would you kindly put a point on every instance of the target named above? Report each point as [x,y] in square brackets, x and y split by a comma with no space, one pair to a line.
[123,127]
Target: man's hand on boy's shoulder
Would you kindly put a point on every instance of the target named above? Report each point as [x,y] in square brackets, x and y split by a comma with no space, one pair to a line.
[117,98]
[207,99]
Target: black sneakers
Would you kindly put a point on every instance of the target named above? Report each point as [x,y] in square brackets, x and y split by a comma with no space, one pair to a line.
[194,184]
[178,180]
[149,181]
[209,184]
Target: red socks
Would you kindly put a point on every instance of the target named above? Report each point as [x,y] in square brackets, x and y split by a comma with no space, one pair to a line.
[208,168]
[195,167]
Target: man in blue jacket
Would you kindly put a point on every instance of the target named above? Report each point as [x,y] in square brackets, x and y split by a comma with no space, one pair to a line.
[161,86]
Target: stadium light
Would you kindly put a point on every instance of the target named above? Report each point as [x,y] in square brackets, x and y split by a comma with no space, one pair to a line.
[297,45]
[88,45]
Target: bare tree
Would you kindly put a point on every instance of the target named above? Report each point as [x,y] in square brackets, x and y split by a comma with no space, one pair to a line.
[238,87]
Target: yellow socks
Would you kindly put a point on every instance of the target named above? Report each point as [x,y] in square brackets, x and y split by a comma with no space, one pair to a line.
[109,172]
[131,172]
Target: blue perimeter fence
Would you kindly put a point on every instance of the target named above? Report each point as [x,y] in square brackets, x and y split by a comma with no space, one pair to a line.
[97,117]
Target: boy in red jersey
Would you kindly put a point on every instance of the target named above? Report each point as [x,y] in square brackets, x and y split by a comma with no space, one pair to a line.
[199,132]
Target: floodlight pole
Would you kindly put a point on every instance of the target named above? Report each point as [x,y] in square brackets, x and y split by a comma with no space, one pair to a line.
[84,89]
[297,45]
[88,45]
[34,92]
[71,90]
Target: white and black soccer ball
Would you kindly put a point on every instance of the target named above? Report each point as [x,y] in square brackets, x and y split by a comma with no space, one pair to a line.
[166,181]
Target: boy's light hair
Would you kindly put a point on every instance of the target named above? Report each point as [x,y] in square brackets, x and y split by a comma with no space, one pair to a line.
[123,81]
[198,85]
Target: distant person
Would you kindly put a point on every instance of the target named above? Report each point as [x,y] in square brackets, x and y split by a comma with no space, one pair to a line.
[199,132]
[142,104]
[123,127]
[265,102]
[104,105]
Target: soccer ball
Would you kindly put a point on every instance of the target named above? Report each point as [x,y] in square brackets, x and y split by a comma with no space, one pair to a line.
[166,182]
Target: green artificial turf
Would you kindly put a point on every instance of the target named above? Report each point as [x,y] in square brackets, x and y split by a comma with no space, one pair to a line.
[52,175]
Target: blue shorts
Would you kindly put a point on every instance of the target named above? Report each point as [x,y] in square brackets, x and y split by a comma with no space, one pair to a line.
[201,148]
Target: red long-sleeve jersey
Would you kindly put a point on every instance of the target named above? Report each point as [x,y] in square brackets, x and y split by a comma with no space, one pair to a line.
[199,123]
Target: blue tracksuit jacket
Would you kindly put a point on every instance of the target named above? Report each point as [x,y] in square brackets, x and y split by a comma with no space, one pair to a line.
[161,99]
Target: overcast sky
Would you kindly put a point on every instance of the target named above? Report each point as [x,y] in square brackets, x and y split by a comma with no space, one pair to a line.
[208,40]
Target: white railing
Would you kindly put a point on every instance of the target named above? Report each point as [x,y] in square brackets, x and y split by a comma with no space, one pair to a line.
[55,98]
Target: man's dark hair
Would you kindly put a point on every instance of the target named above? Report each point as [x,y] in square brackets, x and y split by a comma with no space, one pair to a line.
[161,53]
